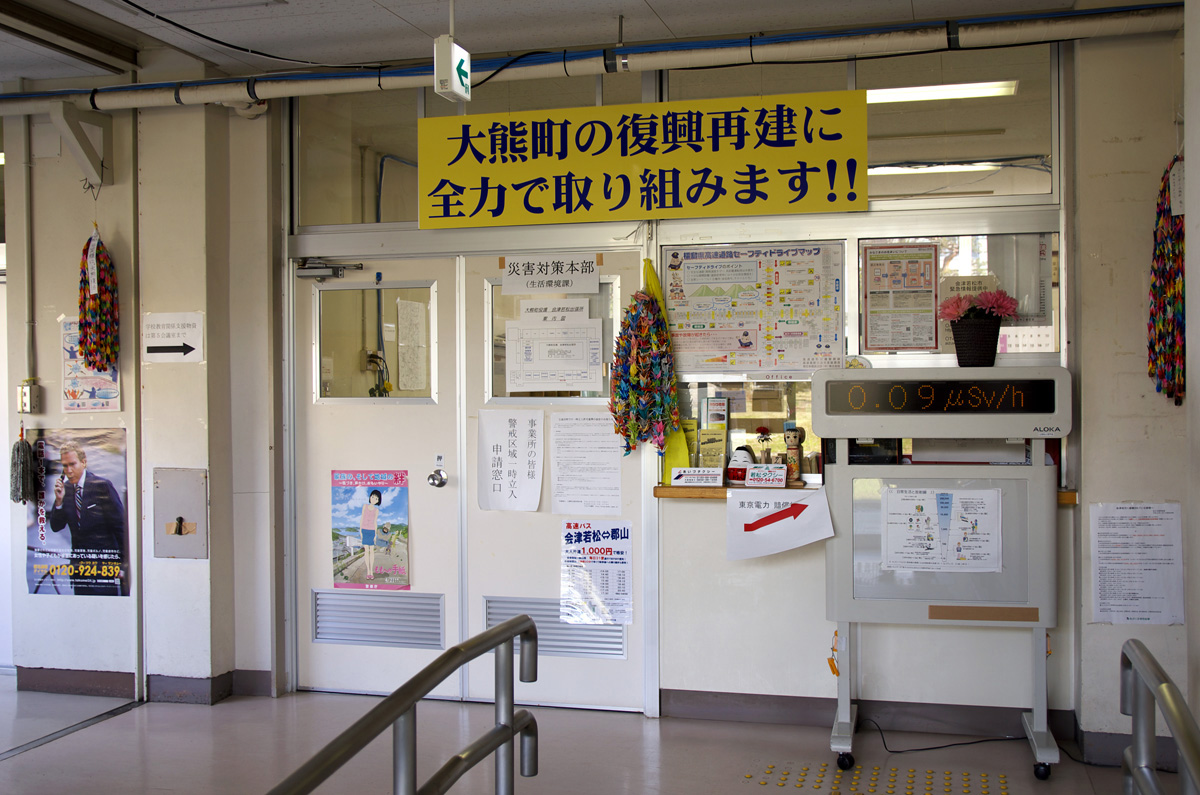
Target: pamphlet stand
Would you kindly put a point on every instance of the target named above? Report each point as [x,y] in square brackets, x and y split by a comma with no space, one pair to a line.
[878,570]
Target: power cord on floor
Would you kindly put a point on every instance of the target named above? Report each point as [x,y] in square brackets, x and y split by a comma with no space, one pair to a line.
[882,737]
[1061,747]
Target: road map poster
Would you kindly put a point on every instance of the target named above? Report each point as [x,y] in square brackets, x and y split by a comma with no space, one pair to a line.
[748,309]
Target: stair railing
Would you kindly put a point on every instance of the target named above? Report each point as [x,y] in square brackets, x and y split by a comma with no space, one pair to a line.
[1145,685]
[399,711]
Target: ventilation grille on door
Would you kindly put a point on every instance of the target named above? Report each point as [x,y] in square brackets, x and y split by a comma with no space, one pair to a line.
[554,637]
[379,618]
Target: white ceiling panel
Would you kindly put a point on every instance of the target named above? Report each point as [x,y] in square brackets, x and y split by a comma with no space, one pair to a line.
[964,9]
[486,26]
[690,19]
[363,31]
[22,58]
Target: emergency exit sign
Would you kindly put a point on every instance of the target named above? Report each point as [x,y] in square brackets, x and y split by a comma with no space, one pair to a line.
[451,70]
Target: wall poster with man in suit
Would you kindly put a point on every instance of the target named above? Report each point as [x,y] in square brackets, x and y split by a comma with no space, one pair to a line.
[78,528]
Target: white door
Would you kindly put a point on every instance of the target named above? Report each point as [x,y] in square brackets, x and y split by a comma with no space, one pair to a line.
[514,559]
[508,562]
[375,394]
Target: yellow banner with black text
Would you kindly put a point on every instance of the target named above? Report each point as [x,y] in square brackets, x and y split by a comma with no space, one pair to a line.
[773,155]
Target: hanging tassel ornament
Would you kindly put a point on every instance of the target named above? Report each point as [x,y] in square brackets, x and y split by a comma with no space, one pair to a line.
[99,332]
[22,471]
[1165,328]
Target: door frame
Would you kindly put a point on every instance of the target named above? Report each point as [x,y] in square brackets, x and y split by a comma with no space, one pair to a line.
[404,241]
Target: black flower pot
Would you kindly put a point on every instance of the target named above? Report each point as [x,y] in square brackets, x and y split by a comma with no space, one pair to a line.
[975,340]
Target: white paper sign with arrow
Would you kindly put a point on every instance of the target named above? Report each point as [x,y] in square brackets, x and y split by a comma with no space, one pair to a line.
[173,337]
[765,521]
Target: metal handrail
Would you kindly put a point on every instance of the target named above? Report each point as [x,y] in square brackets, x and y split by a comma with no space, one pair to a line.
[399,711]
[1145,685]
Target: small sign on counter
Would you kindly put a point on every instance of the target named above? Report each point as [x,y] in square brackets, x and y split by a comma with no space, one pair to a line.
[697,476]
[770,476]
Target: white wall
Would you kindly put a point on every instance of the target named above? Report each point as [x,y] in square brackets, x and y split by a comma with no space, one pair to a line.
[758,626]
[6,552]
[67,632]
[189,222]
[253,228]
[1134,442]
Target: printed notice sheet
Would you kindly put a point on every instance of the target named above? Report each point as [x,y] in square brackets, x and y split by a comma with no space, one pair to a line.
[935,530]
[901,299]
[585,474]
[510,460]
[951,286]
[544,356]
[752,309]
[561,310]
[1137,563]
[597,573]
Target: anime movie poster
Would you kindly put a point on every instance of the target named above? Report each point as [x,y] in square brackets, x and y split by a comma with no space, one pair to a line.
[77,530]
[370,530]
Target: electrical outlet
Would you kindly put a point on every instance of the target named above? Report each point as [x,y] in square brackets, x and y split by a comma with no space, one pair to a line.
[371,360]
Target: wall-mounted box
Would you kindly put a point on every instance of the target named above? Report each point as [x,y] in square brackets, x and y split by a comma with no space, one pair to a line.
[180,513]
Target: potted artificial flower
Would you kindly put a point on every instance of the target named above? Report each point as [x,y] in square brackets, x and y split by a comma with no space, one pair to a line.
[975,323]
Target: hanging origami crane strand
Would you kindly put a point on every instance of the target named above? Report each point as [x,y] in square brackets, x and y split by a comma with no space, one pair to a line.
[99,332]
[642,386]
[1165,328]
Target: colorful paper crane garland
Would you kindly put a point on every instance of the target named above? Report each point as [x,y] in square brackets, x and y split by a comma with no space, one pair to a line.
[642,387]
[99,332]
[1165,329]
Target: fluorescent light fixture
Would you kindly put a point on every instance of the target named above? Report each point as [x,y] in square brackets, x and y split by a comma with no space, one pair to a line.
[884,171]
[997,88]
[943,134]
[1,158]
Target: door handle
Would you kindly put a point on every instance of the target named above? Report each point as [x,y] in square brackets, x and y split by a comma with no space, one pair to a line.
[437,478]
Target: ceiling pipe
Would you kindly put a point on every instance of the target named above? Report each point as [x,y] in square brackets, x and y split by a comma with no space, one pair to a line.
[241,93]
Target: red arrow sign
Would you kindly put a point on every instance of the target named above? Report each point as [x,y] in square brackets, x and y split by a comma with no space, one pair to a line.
[793,511]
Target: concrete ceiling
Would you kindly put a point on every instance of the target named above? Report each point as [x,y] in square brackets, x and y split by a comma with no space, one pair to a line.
[371,31]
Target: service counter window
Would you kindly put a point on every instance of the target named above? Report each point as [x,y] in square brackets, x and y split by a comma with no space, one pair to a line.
[376,342]
[753,414]
[902,280]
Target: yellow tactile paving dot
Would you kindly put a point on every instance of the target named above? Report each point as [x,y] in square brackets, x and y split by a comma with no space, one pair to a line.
[822,778]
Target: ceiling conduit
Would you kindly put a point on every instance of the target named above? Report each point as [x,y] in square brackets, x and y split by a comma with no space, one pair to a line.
[922,37]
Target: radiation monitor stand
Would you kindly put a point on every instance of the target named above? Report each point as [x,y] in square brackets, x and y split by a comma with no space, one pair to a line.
[965,540]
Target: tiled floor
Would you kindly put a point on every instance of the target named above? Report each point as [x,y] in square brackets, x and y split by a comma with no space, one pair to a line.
[247,745]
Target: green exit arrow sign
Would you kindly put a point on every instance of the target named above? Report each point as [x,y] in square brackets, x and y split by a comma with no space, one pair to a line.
[451,70]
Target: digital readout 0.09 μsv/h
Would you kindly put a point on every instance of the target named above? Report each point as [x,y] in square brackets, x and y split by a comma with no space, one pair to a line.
[976,396]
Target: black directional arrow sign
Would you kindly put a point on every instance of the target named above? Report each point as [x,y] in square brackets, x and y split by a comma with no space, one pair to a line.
[182,348]
[173,337]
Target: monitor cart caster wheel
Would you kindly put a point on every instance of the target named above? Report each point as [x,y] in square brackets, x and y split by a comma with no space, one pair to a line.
[1041,771]
[846,761]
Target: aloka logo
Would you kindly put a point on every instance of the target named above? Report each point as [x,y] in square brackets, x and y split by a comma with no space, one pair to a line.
[1048,429]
